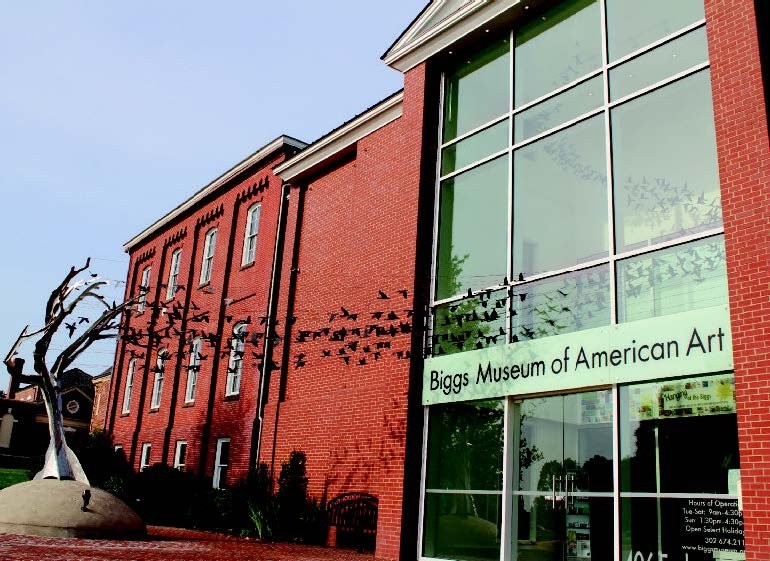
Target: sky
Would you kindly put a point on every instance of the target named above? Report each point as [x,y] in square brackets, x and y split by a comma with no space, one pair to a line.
[112,113]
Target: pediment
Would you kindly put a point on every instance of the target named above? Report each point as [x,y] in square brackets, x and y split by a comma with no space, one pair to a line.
[435,15]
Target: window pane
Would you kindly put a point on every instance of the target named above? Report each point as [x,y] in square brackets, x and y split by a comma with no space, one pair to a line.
[557,110]
[665,165]
[473,220]
[560,200]
[465,446]
[477,90]
[632,25]
[474,323]
[556,49]
[665,61]
[673,280]
[672,528]
[564,304]
[474,148]
[462,526]
[679,436]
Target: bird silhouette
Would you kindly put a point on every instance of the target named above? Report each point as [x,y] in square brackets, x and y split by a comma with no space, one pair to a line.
[403,292]
[71,327]
[82,319]
[382,295]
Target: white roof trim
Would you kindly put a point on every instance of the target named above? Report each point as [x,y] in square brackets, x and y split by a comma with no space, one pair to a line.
[417,45]
[377,117]
[214,185]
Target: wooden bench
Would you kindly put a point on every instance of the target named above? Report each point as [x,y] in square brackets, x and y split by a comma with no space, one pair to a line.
[352,521]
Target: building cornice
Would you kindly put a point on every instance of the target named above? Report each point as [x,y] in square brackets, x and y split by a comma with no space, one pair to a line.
[351,132]
[256,157]
[421,41]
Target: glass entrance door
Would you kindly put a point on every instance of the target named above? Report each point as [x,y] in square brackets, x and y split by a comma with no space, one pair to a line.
[562,504]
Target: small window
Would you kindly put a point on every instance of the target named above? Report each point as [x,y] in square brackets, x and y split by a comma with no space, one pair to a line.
[144,288]
[173,273]
[250,237]
[180,454]
[157,387]
[192,370]
[118,448]
[208,255]
[129,386]
[235,364]
[221,460]
[144,461]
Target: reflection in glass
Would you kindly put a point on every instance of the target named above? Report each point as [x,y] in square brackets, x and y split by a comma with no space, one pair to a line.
[660,63]
[465,446]
[557,48]
[665,165]
[474,148]
[632,25]
[477,90]
[465,527]
[560,200]
[473,323]
[678,436]
[465,453]
[473,218]
[672,528]
[564,304]
[677,279]
[557,110]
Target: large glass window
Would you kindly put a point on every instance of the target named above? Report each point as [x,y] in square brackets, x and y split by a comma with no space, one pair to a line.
[464,481]
[679,468]
[476,90]
[472,237]
[593,160]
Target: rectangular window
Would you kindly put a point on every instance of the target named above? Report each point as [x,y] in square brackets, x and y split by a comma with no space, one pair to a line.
[129,386]
[157,387]
[173,273]
[144,459]
[180,454]
[235,364]
[192,370]
[221,461]
[144,288]
[208,255]
[250,236]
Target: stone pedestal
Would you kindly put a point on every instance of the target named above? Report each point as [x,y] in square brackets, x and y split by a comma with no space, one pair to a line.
[50,507]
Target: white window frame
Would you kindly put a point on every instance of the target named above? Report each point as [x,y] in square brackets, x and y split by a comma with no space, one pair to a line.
[179,461]
[192,370]
[218,465]
[118,447]
[173,273]
[129,386]
[208,255]
[144,458]
[143,282]
[157,386]
[235,364]
[250,234]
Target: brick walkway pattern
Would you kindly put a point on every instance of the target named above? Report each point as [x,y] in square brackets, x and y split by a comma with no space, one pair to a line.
[167,544]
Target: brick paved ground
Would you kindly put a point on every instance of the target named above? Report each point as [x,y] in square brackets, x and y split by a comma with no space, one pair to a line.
[167,544]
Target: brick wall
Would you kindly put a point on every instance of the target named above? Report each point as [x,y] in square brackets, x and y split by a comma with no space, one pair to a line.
[744,166]
[348,411]
[233,294]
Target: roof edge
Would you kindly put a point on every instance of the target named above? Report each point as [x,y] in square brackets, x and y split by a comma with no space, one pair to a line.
[376,117]
[260,154]
[415,45]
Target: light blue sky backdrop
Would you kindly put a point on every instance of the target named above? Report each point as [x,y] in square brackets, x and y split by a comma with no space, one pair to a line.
[112,113]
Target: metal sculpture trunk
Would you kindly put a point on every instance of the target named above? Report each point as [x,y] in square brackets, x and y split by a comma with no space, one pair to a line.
[60,461]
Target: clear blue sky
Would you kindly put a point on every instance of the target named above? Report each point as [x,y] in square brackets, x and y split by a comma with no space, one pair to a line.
[112,113]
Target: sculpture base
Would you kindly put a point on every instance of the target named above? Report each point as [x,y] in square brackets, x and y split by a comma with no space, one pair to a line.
[52,508]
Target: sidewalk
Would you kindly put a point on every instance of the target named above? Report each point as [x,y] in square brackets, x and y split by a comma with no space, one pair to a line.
[167,544]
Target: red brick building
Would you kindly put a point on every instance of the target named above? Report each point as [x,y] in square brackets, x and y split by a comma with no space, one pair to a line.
[523,302]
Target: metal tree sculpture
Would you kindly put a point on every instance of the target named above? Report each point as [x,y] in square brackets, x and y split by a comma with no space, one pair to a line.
[60,460]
